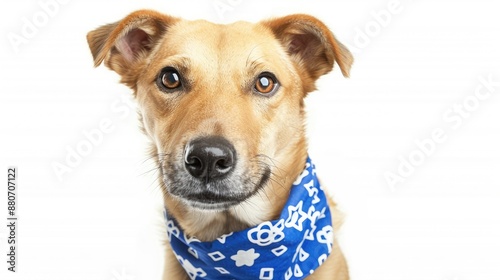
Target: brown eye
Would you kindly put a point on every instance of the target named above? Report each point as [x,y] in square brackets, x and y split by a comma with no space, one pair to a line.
[266,84]
[169,79]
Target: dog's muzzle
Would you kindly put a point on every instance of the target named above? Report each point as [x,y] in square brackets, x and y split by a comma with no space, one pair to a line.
[211,176]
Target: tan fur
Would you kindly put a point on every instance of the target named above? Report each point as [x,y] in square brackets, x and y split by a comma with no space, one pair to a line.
[220,63]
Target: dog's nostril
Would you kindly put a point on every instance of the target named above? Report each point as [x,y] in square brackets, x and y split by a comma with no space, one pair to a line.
[222,164]
[194,162]
[210,158]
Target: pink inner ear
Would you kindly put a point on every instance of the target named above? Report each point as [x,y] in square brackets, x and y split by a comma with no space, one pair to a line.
[304,45]
[298,43]
[132,43]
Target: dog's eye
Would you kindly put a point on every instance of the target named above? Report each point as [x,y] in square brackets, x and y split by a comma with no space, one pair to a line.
[169,79]
[266,84]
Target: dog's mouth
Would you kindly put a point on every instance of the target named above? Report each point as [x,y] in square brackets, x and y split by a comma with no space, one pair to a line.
[213,195]
[209,200]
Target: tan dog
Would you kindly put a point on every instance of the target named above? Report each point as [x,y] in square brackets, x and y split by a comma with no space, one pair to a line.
[223,106]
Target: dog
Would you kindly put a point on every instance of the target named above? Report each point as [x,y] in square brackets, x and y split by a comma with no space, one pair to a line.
[223,106]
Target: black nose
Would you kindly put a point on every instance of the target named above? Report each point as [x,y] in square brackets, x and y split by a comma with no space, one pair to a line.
[210,158]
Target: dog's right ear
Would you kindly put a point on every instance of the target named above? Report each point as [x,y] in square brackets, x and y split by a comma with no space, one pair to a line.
[124,43]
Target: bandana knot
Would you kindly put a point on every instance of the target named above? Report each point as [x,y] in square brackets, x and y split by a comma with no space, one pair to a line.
[291,247]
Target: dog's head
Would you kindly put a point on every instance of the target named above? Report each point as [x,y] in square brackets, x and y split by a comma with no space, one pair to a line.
[222,104]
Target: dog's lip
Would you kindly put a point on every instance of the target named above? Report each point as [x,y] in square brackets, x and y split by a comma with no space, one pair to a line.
[210,201]
[218,206]
[211,198]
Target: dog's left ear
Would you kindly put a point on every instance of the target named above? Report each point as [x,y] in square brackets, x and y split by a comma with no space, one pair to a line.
[311,46]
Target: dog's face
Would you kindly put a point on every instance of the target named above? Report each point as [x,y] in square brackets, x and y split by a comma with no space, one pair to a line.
[222,104]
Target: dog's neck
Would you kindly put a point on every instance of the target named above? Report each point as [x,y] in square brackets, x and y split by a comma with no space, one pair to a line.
[264,206]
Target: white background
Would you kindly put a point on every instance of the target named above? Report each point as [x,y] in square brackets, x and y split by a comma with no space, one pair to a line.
[102,220]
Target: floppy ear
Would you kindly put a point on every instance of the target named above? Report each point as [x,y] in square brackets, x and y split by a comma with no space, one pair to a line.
[311,46]
[124,43]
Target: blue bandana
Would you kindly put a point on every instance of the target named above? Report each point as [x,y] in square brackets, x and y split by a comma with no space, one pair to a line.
[291,247]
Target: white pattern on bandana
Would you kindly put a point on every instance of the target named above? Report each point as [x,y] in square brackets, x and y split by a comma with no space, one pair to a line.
[291,247]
